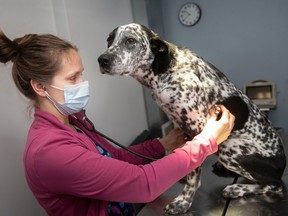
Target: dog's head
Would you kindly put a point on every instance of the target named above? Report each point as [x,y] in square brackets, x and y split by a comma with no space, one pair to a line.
[135,50]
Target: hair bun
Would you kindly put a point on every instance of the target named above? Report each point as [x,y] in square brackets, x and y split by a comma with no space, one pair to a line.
[16,46]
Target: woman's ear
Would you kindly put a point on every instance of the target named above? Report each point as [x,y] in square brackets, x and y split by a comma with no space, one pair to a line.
[38,87]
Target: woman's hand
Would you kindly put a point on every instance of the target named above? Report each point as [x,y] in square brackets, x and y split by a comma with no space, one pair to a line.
[174,139]
[220,129]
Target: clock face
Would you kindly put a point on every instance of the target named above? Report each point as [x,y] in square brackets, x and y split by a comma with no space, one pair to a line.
[189,14]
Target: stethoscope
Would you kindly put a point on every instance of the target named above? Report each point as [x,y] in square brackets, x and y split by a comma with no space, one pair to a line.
[93,129]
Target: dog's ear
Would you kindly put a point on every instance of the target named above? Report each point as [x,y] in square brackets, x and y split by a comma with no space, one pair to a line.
[162,54]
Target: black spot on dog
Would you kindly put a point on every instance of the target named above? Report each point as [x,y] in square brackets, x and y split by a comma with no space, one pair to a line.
[271,168]
[111,37]
[221,171]
[239,109]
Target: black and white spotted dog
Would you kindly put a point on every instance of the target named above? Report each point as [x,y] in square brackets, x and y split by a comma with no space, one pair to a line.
[186,87]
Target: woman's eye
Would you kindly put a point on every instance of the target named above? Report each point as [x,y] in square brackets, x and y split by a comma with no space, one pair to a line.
[77,76]
[73,78]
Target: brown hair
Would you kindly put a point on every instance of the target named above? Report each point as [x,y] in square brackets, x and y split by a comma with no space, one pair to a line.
[34,57]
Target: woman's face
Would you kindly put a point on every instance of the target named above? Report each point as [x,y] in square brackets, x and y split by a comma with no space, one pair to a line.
[70,73]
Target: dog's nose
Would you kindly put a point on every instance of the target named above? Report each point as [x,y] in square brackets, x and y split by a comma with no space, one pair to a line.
[104,60]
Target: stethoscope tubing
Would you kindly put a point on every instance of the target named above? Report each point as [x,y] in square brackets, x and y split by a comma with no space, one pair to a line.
[93,129]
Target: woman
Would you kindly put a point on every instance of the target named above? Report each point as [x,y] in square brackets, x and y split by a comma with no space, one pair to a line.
[72,170]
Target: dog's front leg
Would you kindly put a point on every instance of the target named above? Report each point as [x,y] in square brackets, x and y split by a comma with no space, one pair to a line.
[183,202]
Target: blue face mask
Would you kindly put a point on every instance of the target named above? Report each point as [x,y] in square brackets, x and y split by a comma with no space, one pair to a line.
[76,98]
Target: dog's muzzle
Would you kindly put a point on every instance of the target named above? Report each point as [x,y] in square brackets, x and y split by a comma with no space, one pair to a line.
[105,62]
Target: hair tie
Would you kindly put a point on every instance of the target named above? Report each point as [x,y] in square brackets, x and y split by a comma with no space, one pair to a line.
[16,46]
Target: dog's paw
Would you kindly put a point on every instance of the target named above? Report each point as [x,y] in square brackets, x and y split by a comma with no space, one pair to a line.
[178,206]
[235,191]
[229,192]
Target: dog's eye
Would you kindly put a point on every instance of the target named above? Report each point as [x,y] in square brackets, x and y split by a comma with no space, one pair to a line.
[130,41]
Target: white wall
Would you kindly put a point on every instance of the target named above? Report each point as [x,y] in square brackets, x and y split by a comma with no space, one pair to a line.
[116,105]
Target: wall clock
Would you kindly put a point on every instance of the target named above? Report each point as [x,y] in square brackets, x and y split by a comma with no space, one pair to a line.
[189,14]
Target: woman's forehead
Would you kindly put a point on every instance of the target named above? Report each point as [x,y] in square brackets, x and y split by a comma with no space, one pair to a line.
[71,63]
